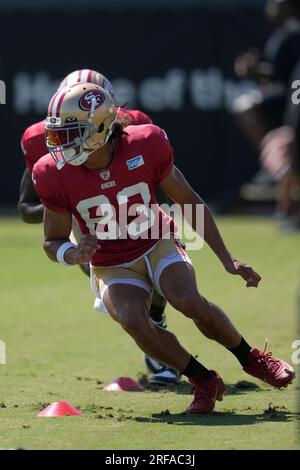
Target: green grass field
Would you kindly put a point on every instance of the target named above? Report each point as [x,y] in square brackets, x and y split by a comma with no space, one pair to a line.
[59,348]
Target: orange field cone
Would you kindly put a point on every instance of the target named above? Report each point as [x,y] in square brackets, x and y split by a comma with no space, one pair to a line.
[59,408]
[124,384]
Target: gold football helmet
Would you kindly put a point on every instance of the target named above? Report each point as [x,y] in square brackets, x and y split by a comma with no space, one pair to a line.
[87,76]
[80,120]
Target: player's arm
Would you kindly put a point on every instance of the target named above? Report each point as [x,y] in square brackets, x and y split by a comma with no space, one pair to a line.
[29,205]
[179,190]
[57,229]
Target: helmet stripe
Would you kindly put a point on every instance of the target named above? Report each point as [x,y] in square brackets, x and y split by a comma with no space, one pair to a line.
[58,105]
[57,100]
[90,76]
[79,76]
[84,76]
[51,102]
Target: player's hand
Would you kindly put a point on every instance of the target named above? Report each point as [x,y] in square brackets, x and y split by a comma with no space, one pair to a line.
[85,250]
[238,268]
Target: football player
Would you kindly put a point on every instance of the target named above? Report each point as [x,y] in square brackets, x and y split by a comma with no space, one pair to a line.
[116,214]
[34,147]
[33,144]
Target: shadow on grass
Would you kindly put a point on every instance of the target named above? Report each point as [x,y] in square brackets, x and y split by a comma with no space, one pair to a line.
[225,418]
[185,388]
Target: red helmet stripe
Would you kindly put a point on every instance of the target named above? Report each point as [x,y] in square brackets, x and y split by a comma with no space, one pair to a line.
[84,75]
[79,76]
[56,101]
[90,75]
[51,102]
[60,102]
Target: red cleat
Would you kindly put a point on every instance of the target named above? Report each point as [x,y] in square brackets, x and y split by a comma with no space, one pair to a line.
[206,392]
[274,371]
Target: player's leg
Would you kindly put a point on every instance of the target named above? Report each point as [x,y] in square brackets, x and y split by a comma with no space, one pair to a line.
[125,295]
[102,278]
[174,278]
[157,308]
[178,284]
[161,374]
[128,305]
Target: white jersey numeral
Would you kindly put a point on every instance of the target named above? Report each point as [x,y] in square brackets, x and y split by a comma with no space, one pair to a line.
[105,224]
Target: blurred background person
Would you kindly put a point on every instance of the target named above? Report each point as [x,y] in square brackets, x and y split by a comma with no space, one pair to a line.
[263,109]
[280,155]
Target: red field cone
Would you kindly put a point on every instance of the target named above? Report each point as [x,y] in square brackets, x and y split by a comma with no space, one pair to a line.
[59,408]
[124,384]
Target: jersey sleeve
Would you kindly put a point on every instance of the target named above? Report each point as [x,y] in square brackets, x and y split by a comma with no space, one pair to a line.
[134,117]
[162,154]
[47,188]
[27,152]
[138,118]
[33,147]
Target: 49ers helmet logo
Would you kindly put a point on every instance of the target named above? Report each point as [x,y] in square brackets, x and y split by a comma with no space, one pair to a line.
[85,102]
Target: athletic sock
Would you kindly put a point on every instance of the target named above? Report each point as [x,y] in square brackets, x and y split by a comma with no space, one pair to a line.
[241,352]
[196,370]
[157,314]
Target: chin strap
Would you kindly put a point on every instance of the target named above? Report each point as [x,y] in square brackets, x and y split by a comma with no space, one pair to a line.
[109,132]
[111,127]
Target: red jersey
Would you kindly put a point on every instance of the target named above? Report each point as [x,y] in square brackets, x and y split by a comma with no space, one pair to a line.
[99,199]
[33,141]
[33,144]
[134,117]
